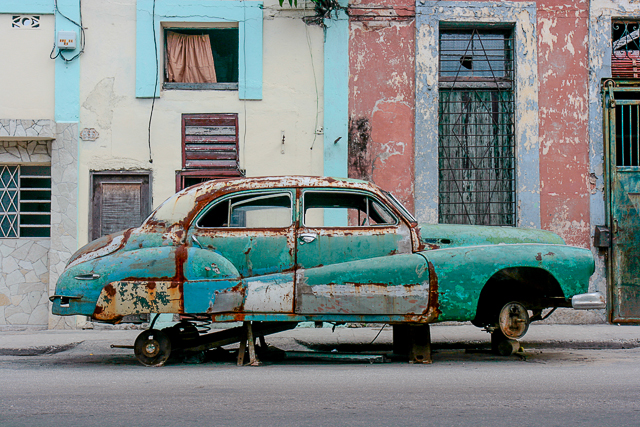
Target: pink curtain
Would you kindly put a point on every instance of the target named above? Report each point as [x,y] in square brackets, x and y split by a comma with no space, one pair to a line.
[189,59]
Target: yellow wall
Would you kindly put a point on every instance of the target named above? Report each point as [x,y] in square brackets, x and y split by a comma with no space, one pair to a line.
[27,73]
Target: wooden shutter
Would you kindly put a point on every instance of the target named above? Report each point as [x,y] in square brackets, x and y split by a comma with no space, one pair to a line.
[210,141]
[120,201]
[625,64]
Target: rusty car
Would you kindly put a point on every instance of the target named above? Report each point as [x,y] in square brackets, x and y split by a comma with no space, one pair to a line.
[277,251]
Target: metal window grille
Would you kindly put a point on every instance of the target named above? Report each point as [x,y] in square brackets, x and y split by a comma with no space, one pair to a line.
[625,49]
[25,201]
[476,128]
[627,122]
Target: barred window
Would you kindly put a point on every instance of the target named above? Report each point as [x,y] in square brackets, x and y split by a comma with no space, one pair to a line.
[476,133]
[25,201]
[625,49]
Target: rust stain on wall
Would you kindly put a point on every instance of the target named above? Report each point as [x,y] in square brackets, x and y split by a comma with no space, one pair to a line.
[360,165]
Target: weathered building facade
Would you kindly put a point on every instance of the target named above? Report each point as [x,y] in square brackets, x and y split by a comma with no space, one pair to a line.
[93,138]
[490,112]
[480,112]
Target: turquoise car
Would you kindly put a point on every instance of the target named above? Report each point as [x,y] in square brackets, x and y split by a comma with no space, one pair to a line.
[298,249]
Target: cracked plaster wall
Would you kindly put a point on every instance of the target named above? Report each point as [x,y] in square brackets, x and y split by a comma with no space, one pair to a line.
[564,119]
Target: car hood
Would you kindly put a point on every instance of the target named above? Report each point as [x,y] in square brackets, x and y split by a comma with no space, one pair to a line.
[436,236]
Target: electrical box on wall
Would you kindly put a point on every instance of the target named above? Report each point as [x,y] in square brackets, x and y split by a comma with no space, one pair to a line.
[66,40]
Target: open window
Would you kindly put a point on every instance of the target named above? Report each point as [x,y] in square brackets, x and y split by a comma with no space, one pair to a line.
[250,211]
[361,210]
[201,58]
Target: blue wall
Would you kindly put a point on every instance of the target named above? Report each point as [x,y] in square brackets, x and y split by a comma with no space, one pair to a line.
[336,95]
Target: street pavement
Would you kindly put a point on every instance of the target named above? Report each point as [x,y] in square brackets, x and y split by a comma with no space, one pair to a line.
[567,375]
[33,342]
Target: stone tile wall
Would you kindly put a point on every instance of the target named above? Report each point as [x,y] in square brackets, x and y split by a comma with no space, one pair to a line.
[24,282]
[13,152]
[28,129]
[64,202]
[24,263]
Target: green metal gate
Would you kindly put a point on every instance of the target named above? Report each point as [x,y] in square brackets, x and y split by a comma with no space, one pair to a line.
[622,187]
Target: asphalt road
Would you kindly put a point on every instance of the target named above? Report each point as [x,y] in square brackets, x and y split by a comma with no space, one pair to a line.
[91,386]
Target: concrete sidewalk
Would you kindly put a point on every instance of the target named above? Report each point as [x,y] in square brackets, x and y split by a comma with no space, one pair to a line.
[40,342]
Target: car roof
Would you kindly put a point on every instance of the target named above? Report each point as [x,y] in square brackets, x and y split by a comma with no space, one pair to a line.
[182,206]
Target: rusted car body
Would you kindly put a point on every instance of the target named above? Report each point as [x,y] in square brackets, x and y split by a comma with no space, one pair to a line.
[294,249]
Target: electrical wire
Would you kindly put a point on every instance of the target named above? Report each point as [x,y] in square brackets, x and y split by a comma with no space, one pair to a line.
[155,84]
[376,337]
[315,81]
[244,63]
[82,35]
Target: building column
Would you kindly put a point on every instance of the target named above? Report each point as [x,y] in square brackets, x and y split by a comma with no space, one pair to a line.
[64,210]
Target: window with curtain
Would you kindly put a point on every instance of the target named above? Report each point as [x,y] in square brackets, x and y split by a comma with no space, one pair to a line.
[201,58]
[476,133]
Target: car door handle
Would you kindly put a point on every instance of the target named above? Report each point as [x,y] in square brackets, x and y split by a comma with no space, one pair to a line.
[307,238]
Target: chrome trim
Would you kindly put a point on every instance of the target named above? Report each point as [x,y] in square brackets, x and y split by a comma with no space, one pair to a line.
[52,297]
[197,241]
[87,276]
[590,301]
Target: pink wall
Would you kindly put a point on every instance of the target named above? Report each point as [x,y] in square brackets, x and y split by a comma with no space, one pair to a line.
[381,95]
[564,116]
[381,107]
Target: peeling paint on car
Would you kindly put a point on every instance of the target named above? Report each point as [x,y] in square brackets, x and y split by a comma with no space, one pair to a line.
[394,272]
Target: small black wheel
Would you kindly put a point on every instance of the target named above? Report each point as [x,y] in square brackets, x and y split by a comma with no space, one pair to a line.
[152,347]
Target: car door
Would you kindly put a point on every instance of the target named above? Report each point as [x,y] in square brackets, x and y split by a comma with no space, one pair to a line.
[241,256]
[354,256]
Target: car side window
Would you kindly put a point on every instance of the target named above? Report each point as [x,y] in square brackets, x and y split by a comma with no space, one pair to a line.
[249,211]
[360,210]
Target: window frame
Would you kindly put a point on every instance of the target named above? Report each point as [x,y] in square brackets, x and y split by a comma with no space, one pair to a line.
[269,193]
[466,206]
[367,194]
[172,26]
[117,176]
[205,173]
[150,15]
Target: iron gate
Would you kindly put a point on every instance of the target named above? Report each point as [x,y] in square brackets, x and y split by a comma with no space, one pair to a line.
[622,187]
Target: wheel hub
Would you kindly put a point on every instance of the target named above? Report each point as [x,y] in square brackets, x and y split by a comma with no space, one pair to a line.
[151,348]
[514,320]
